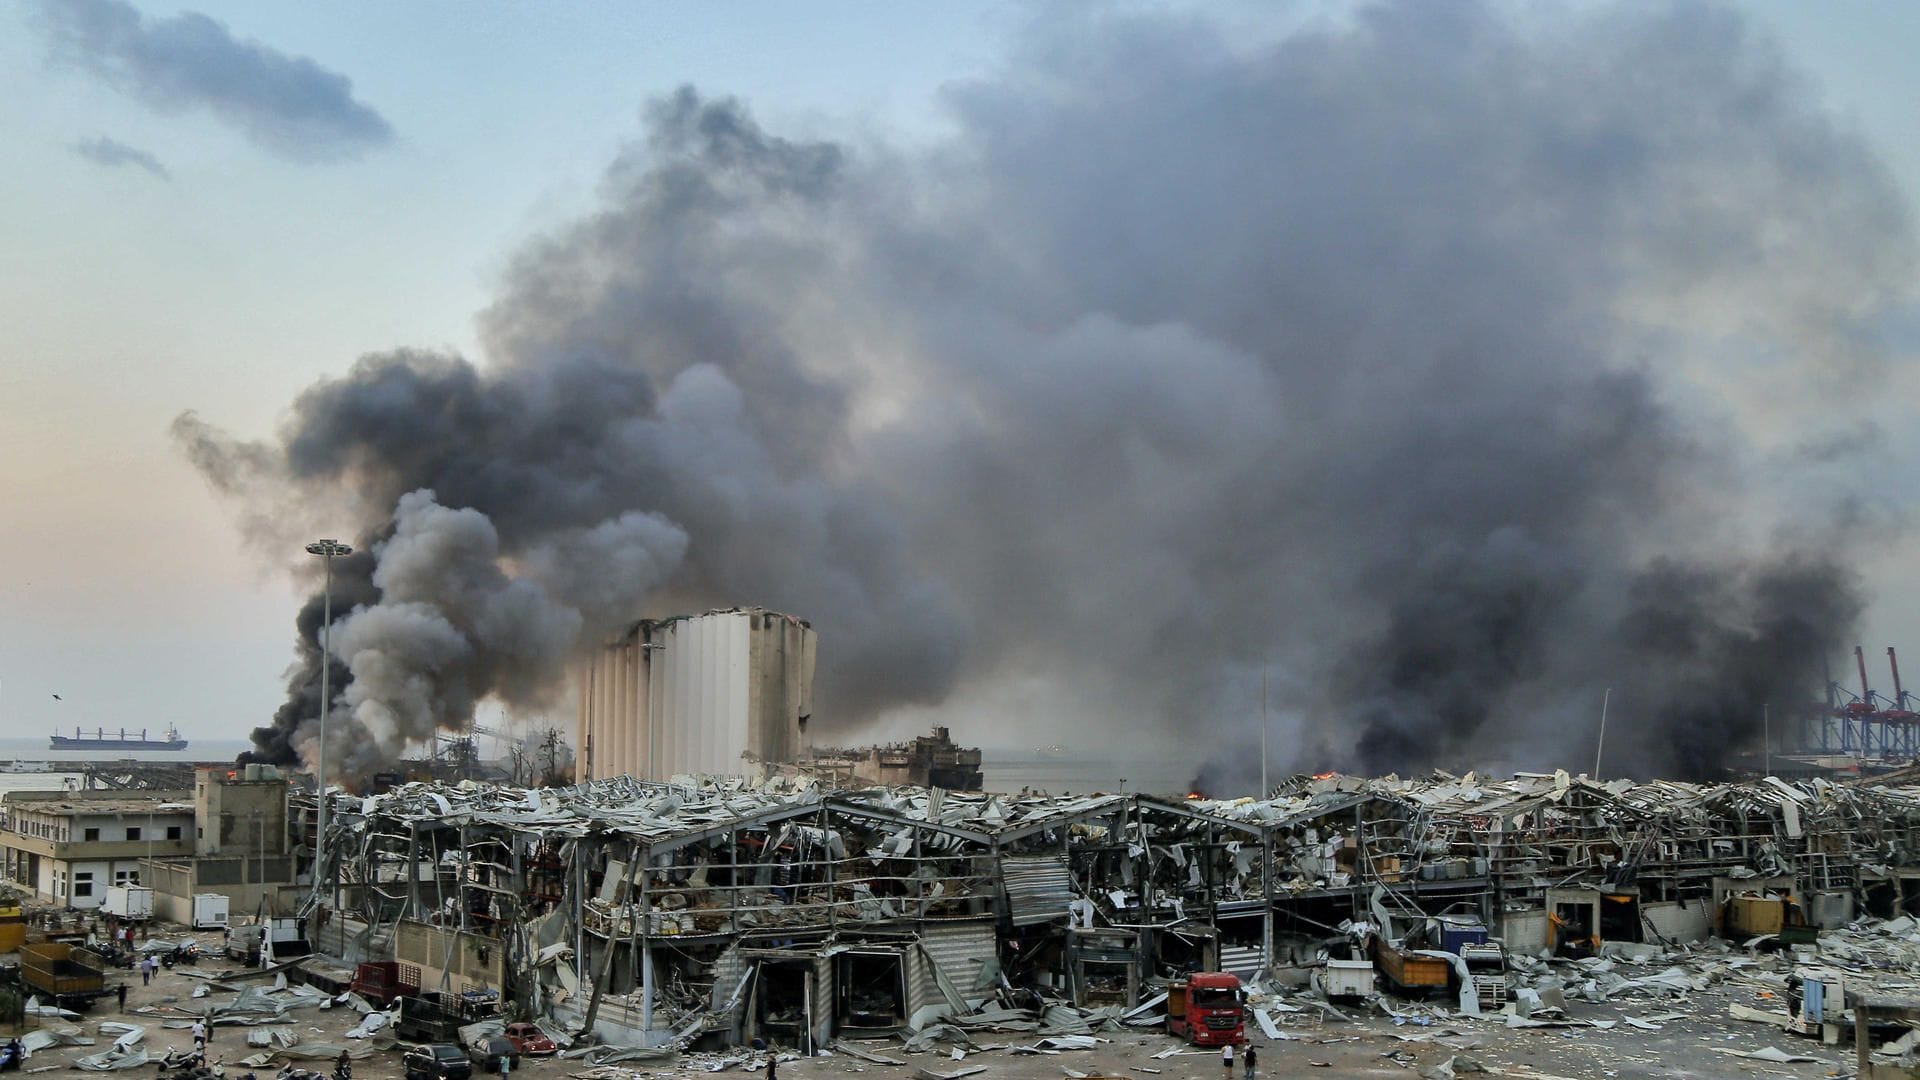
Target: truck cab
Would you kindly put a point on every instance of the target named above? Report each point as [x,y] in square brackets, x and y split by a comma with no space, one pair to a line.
[1207,1009]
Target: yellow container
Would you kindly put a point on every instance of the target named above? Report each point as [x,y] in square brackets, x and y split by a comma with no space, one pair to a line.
[1750,915]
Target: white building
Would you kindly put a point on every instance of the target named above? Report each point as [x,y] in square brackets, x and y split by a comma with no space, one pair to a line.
[710,693]
[67,847]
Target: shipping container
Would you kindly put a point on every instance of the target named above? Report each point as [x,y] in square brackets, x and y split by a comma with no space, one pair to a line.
[1347,980]
[133,903]
[209,911]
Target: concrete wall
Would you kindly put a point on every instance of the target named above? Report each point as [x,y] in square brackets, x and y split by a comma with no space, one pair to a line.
[238,816]
[1679,920]
[252,886]
[467,960]
[1524,931]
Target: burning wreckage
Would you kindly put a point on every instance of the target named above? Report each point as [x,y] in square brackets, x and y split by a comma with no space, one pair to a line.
[710,912]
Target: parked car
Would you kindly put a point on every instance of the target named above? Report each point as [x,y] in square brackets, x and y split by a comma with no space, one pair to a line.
[530,1040]
[437,1061]
[487,1050]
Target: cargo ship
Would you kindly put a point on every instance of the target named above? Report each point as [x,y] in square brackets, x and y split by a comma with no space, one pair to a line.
[101,740]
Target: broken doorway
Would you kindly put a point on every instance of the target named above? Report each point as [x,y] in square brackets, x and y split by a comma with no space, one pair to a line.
[1184,948]
[1882,897]
[782,1001]
[1106,982]
[871,992]
[1619,917]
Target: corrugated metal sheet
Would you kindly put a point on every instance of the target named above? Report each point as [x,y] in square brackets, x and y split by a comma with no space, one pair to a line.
[1241,960]
[914,967]
[959,948]
[1038,887]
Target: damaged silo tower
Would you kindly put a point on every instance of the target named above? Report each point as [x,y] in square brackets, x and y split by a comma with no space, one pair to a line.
[696,694]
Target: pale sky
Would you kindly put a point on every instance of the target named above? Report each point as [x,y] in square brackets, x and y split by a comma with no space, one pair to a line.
[164,257]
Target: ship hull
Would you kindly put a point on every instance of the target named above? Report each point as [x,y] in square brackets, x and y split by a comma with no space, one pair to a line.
[61,742]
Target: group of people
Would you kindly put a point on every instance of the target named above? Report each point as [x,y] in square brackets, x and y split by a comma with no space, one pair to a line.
[1250,1057]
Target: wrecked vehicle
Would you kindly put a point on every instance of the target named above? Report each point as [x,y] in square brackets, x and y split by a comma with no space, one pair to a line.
[528,1039]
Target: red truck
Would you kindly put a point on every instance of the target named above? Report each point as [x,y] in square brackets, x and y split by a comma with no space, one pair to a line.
[1205,1009]
[381,982]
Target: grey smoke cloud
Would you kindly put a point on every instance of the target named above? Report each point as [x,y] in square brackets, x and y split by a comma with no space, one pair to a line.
[1423,361]
[287,104]
[453,626]
[113,154]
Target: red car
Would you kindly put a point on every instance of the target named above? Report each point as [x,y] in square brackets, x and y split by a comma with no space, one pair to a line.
[530,1040]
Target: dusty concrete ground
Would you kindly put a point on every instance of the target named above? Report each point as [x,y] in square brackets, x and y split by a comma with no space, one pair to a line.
[1374,1045]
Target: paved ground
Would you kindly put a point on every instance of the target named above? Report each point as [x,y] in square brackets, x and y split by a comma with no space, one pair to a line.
[1373,1046]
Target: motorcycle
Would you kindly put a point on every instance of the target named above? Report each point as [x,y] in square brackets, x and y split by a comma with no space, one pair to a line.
[114,955]
[189,1065]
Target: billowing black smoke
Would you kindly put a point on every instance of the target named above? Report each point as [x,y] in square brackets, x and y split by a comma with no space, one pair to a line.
[1432,363]
[352,588]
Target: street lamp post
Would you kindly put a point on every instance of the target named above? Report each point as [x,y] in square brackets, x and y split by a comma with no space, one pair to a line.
[327,550]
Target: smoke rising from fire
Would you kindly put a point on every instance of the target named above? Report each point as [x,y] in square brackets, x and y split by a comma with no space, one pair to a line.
[1429,361]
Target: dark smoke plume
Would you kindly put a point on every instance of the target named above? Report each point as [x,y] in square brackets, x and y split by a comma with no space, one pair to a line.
[1430,362]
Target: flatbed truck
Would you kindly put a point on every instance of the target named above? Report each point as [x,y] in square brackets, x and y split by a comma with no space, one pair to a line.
[67,975]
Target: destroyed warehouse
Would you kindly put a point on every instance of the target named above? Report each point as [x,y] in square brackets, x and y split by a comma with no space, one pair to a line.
[726,910]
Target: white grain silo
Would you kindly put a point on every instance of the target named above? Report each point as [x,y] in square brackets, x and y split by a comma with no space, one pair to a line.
[708,693]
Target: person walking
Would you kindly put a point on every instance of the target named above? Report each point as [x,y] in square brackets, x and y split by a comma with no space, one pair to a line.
[199,1034]
[1226,1059]
[121,992]
[1250,1058]
[771,1059]
[146,973]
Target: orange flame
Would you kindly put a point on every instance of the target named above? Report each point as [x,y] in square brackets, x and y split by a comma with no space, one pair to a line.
[1324,775]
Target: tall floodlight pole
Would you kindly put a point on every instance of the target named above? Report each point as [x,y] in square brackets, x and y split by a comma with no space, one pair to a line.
[1602,743]
[1766,738]
[327,550]
[1264,789]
